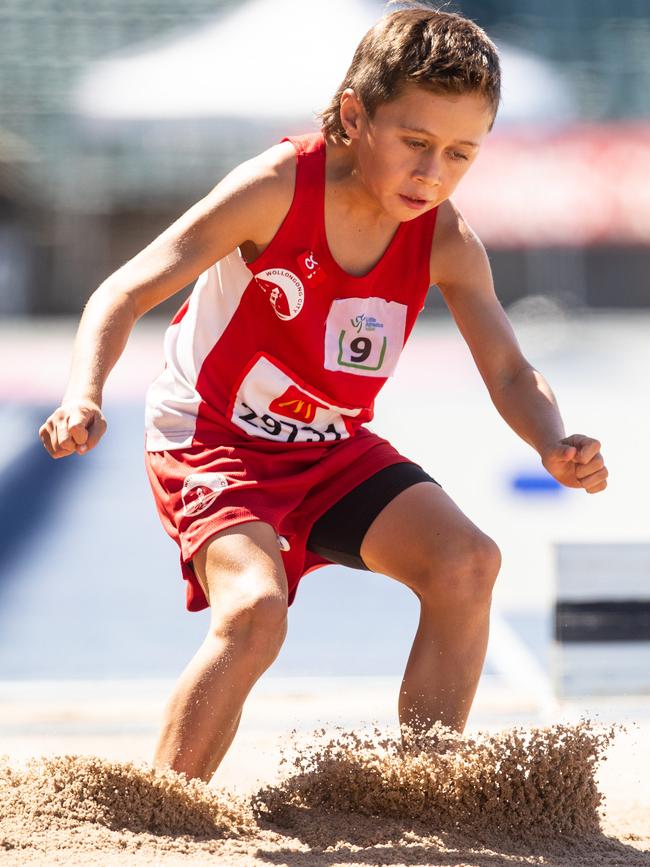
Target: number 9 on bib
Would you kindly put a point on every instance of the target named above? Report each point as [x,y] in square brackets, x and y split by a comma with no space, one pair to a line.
[364,336]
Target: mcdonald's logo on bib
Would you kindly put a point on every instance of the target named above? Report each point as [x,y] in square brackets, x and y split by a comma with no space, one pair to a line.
[296,404]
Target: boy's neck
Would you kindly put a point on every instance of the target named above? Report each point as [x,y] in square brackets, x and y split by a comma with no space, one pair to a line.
[345,187]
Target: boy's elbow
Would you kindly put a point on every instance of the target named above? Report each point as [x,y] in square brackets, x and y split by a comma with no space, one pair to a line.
[112,295]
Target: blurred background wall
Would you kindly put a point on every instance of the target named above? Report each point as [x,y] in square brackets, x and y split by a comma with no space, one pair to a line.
[117,115]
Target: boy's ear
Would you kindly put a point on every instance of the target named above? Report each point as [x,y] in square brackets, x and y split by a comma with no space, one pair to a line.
[351,112]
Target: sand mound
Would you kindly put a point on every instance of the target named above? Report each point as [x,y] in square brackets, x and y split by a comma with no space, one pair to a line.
[519,784]
[523,796]
[83,790]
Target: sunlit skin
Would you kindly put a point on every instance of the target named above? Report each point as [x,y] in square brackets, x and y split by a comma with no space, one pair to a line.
[409,156]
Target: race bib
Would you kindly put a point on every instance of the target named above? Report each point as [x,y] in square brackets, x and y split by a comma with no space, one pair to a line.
[364,336]
[271,405]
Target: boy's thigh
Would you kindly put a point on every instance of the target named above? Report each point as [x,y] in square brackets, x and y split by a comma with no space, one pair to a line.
[240,566]
[420,531]
[338,534]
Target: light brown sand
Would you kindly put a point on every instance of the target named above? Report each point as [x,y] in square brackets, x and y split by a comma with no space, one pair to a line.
[520,796]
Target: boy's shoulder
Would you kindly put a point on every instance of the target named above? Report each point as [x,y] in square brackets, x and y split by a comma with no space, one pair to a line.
[273,171]
[456,247]
[261,189]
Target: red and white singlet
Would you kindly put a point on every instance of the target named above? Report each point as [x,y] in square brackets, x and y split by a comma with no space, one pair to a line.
[290,349]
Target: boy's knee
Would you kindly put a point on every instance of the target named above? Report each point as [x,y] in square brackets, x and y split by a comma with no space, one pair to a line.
[255,621]
[485,566]
[466,573]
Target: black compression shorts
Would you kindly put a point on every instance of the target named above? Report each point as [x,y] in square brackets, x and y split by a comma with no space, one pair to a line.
[337,535]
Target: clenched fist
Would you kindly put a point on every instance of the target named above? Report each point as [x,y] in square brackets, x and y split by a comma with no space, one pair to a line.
[576,462]
[76,426]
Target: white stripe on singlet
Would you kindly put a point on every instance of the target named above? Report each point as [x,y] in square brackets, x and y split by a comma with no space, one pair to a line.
[172,401]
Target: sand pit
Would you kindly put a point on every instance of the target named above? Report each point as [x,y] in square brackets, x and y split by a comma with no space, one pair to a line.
[520,796]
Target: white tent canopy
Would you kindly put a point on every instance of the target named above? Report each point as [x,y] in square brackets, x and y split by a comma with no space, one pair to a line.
[271,59]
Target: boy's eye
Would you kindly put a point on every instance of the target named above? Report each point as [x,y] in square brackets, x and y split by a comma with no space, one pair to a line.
[415,143]
[458,155]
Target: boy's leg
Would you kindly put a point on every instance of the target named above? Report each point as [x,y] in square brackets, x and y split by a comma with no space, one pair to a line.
[241,572]
[422,539]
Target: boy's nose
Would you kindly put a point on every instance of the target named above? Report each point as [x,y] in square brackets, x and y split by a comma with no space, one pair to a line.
[429,172]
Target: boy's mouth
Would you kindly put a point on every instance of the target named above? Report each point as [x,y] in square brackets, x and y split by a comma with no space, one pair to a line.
[412,202]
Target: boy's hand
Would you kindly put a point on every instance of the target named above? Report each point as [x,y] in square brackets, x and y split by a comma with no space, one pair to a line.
[576,462]
[76,426]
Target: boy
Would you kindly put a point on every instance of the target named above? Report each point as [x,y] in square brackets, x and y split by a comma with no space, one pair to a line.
[313,260]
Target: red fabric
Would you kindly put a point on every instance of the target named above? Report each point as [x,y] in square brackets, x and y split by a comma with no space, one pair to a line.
[289,492]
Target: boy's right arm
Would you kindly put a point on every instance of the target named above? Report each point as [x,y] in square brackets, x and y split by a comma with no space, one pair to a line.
[248,205]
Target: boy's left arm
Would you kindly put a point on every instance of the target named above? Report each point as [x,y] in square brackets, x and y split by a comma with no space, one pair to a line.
[461,270]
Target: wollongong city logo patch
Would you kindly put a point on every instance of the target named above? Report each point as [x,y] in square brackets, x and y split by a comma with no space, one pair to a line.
[200,490]
[284,290]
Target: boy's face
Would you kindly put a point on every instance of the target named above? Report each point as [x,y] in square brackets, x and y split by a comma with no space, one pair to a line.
[416,148]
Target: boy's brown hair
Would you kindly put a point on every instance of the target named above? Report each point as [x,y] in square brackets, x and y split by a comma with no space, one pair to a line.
[441,51]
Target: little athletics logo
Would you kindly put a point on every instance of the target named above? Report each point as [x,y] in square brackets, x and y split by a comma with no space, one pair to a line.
[200,490]
[285,291]
[370,322]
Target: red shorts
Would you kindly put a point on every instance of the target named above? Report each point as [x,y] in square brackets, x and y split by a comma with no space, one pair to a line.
[204,489]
